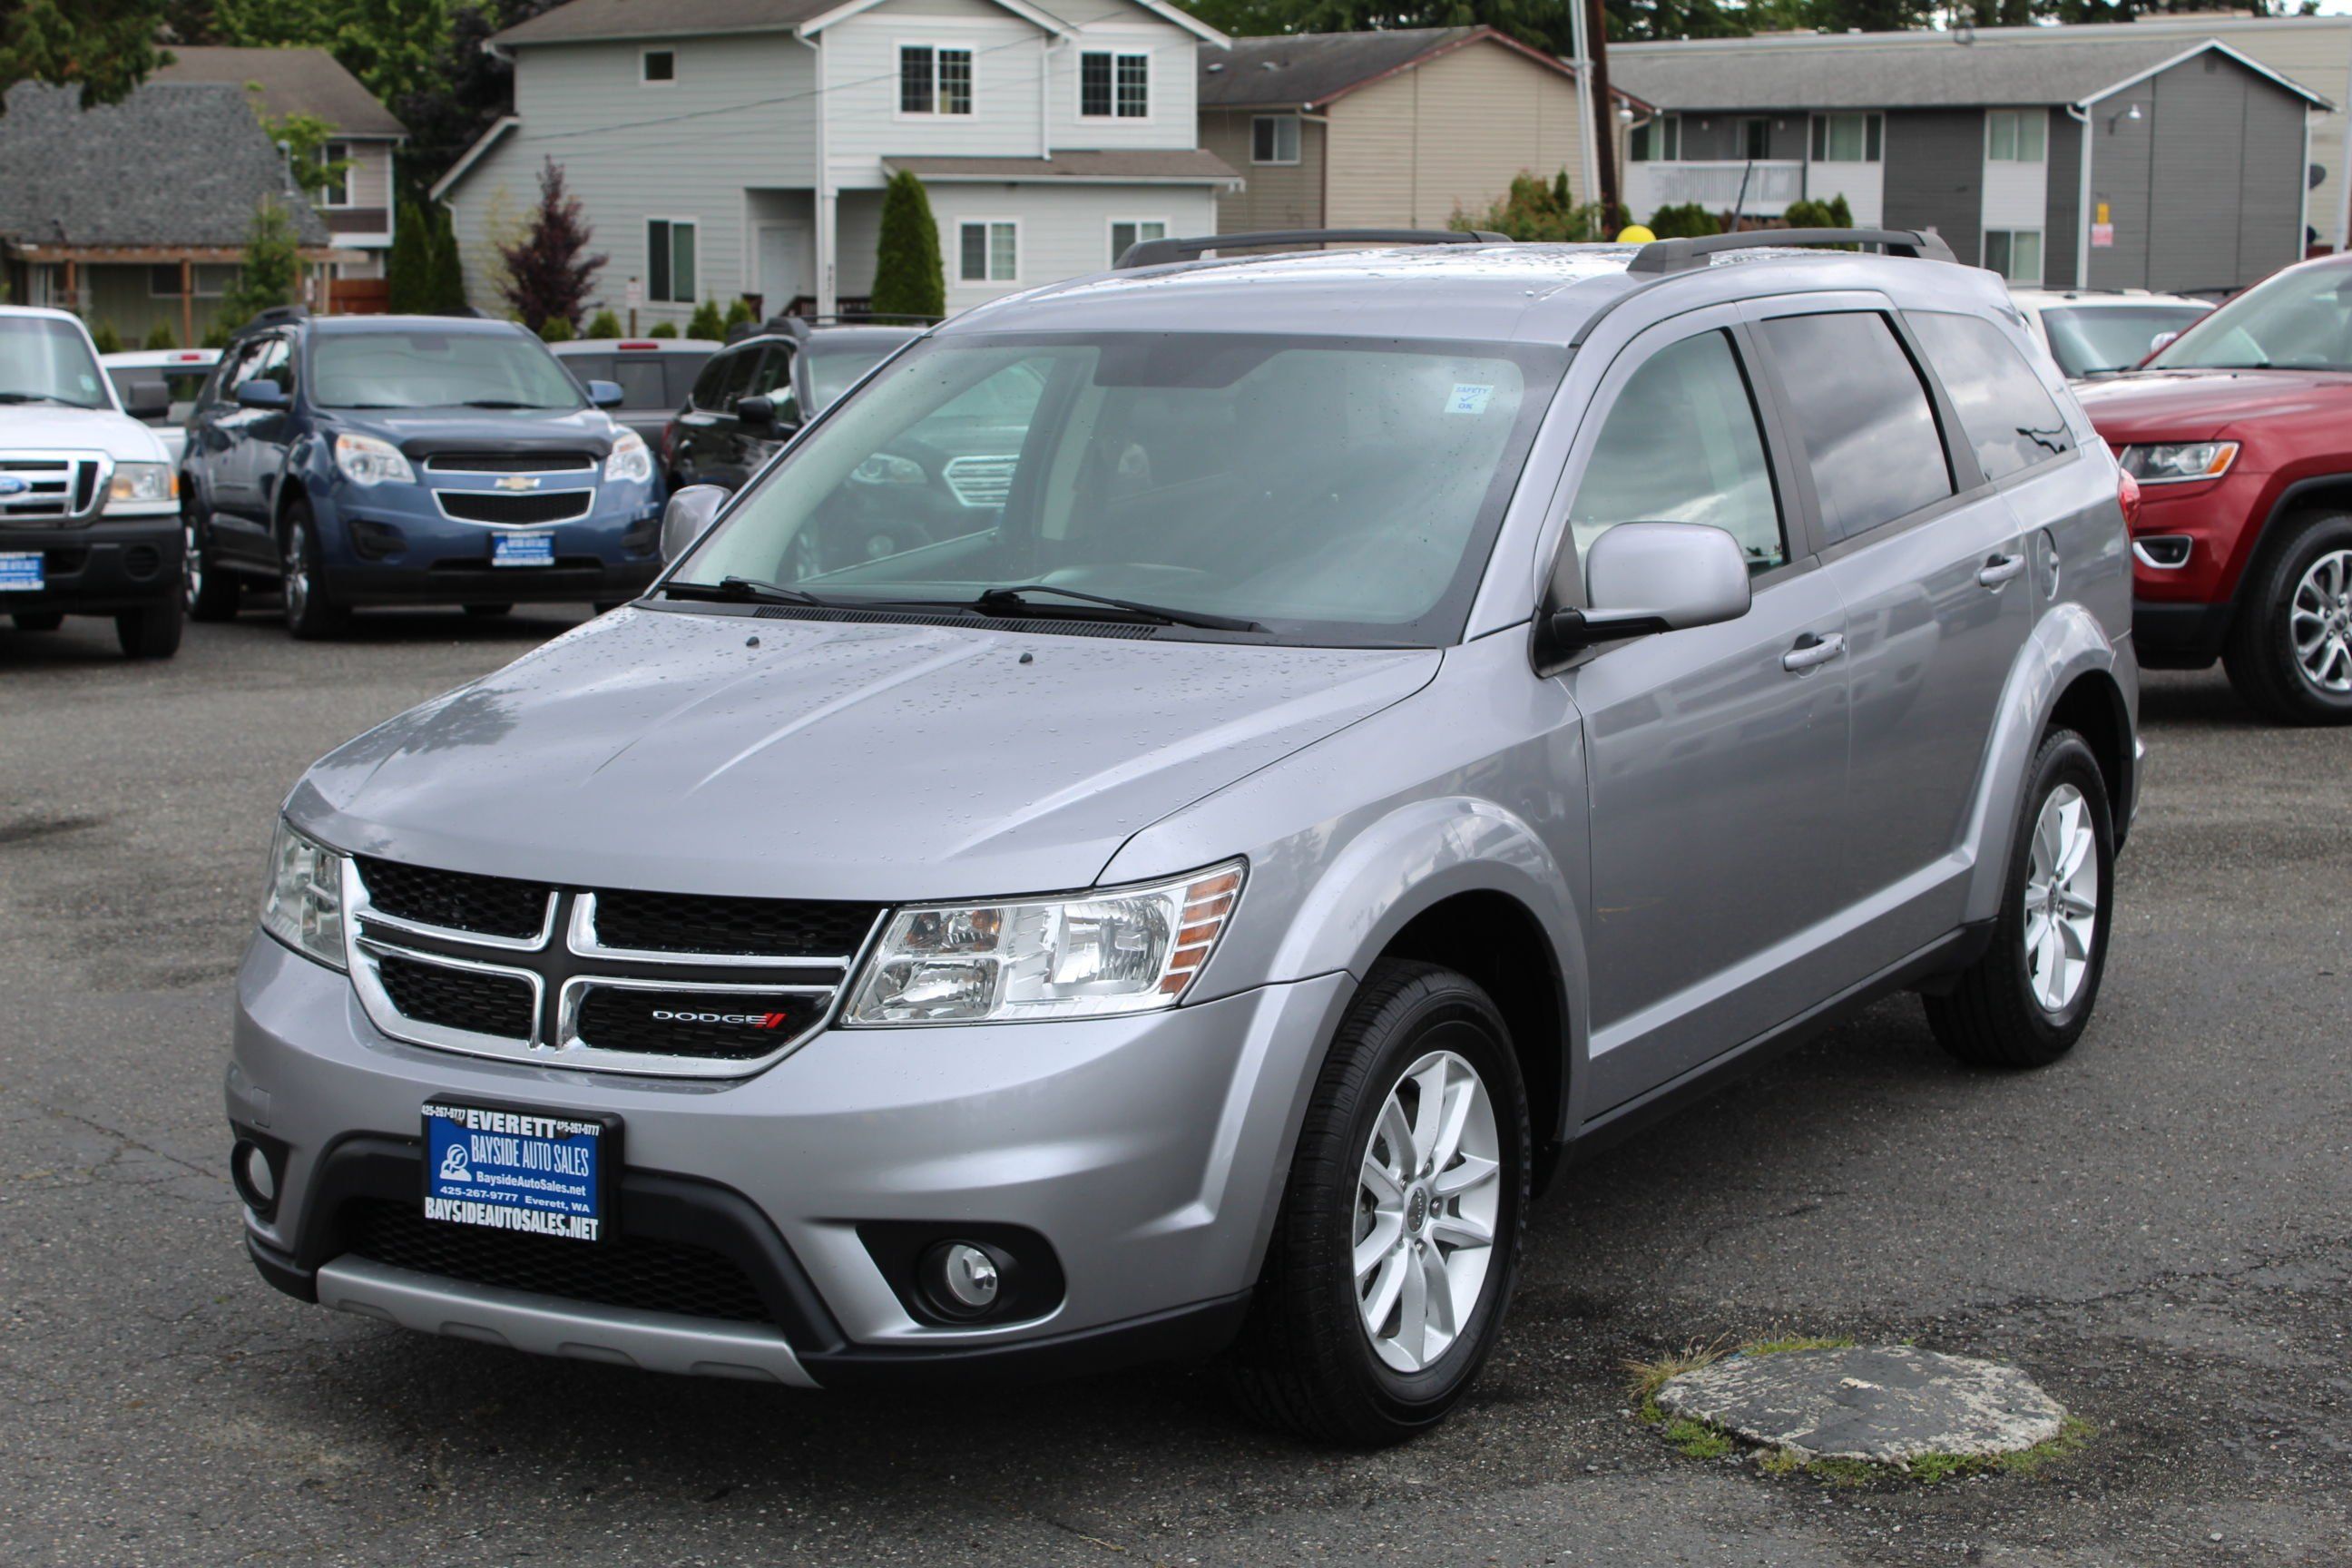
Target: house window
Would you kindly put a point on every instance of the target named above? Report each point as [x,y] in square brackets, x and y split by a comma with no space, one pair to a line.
[1126,231]
[934,81]
[1755,138]
[990,251]
[337,191]
[2016,135]
[212,279]
[657,67]
[1659,141]
[1847,138]
[2014,253]
[670,270]
[1273,139]
[1113,85]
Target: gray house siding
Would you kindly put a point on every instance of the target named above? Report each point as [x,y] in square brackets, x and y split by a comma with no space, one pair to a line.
[2271,209]
[2064,231]
[1934,175]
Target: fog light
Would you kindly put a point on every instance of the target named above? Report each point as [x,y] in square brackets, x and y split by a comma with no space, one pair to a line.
[257,1182]
[969,1277]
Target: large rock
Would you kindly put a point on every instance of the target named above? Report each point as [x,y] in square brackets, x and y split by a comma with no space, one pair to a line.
[1886,1404]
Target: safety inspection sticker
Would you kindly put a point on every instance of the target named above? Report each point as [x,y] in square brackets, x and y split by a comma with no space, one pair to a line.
[523,1171]
[1468,399]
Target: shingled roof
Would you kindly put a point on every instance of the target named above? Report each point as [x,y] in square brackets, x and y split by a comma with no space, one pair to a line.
[288,81]
[182,167]
[1295,70]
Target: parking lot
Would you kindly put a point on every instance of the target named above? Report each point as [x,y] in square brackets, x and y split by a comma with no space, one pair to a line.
[2159,1228]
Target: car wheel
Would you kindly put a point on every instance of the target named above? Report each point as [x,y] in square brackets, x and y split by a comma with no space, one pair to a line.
[1398,1238]
[485,611]
[2290,651]
[152,632]
[309,613]
[2026,1001]
[211,594]
[38,620]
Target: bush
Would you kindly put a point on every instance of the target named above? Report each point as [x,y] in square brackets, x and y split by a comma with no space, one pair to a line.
[408,270]
[663,330]
[706,321]
[909,280]
[555,329]
[217,335]
[1688,221]
[1535,209]
[1833,213]
[602,324]
[739,314]
[161,336]
[104,338]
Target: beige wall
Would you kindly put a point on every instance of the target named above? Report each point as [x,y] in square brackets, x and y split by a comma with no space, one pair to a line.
[1278,195]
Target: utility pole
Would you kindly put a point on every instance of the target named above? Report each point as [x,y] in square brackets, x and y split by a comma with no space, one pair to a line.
[1581,63]
[1604,111]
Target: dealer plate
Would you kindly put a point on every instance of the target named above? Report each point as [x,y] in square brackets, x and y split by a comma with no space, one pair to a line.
[534,1172]
[522,550]
[21,572]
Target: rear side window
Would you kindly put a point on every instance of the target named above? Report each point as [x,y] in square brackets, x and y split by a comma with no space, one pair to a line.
[2010,418]
[721,381]
[1865,417]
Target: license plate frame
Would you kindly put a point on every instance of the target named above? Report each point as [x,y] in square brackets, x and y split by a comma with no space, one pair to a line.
[23,571]
[523,550]
[514,1176]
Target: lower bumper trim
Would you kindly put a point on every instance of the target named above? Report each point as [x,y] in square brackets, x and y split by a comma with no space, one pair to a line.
[2178,636]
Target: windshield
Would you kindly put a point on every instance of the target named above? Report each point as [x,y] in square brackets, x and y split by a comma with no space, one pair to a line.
[183,381]
[2092,339]
[1331,491]
[2300,320]
[831,372]
[438,370]
[45,361]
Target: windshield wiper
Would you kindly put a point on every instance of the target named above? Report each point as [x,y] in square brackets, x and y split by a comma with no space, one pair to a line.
[506,403]
[1015,597]
[743,590]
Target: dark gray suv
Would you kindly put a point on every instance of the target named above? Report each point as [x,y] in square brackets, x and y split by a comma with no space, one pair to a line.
[1406,714]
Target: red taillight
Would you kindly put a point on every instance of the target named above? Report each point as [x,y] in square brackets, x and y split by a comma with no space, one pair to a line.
[634,344]
[185,357]
[2127,494]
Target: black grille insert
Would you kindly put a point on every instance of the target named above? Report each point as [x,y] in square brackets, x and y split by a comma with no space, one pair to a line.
[531,506]
[723,1026]
[775,928]
[510,462]
[459,900]
[457,998]
[623,1271]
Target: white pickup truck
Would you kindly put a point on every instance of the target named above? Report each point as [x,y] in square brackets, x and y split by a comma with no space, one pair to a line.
[90,501]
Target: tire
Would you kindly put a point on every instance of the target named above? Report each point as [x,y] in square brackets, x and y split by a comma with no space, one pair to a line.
[485,612]
[1307,1360]
[152,632]
[2290,649]
[309,613]
[2014,1008]
[38,620]
[211,594]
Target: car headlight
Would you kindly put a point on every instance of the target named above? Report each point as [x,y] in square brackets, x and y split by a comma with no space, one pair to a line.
[630,462]
[2179,462]
[365,460]
[143,481]
[303,905]
[1116,950]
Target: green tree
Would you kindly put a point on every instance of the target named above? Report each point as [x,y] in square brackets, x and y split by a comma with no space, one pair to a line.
[304,138]
[706,321]
[909,280]
[408,270]
[105,47]
[602,324]
[104,338]
[448,294]
[272,268]
[1534,208]
[161,336]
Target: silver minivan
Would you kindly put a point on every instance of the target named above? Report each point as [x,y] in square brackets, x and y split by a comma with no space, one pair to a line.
[1395,717]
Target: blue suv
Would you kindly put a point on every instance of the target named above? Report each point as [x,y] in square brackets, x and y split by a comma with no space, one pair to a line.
[409,459]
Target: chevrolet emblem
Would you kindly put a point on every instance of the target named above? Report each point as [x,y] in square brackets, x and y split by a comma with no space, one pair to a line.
[518,482]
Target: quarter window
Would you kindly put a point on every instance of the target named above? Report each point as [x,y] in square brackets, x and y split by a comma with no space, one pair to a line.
[2012,421]
[991,253]
[1114,86]
[1868,428]
[1683,445]
[2016,135]
[669,261]
[1847,138]
[2014,253]
[934,81]
[1124,232]
[1273,139]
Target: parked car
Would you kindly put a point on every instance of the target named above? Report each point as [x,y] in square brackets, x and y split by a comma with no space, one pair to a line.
[1375,750]
[88,502]
[2240,433]
[409,459]
[653,373]
[183,372]
[752,395]
[2093,333]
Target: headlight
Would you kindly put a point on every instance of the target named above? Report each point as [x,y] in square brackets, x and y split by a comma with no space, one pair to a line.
[887,469]
[365,460]
[303,905]
[1118,949]
[143,481]
[629,462]
[2180,462]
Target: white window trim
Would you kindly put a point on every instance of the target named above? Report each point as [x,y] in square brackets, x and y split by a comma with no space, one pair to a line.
[1110,225]
[693,222]
[337,201]
[898,47]
[1299,143]
[2041,255]
[1151,115]
[644,58]
[2021,117]
[966,220]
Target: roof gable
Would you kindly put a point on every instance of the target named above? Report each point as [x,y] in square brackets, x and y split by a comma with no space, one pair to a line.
[290,81]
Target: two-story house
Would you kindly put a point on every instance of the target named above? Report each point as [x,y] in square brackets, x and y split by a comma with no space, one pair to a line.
[727,147]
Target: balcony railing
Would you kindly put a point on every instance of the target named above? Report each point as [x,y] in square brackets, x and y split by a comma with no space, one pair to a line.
[1715,186]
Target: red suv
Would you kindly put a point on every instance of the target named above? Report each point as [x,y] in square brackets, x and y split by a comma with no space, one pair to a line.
[2240,433]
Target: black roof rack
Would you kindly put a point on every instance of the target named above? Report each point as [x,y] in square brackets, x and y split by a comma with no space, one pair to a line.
[275,315]
[1153,252]
[1684,254]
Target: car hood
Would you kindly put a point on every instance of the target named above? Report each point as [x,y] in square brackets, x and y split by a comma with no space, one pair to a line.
[730,753]
[425,431]
[2195,405]
[45,428]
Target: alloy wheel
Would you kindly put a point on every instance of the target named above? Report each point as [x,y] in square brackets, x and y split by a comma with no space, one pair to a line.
[1428,1198]
[2062,899]
[2319,620]
[297,572]
[192,561]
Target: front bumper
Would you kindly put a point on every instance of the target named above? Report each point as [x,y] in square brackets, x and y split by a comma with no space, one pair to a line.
[2189,549]
[99,567]
[1148,1151]
[393,543]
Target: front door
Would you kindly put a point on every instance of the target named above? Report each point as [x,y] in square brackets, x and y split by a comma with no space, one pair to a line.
[783,265]
[1715,757]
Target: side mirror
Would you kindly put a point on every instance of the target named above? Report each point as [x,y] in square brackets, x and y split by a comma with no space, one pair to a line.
[261,392]
[689,511]
[147,400]
[1644,577]
[759,411]
[605,394]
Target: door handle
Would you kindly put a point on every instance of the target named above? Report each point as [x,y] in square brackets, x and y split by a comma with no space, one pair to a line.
[1999,569]
[1811,651]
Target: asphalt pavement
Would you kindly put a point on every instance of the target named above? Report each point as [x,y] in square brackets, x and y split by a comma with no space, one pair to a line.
[2159,1229]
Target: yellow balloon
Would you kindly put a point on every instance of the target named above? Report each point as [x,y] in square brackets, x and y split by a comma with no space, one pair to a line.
[1634,234]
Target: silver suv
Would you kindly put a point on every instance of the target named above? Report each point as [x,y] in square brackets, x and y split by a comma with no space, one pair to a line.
[1401,716]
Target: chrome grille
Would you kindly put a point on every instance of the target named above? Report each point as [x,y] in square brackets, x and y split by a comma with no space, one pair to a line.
[982,481]
[53,487]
